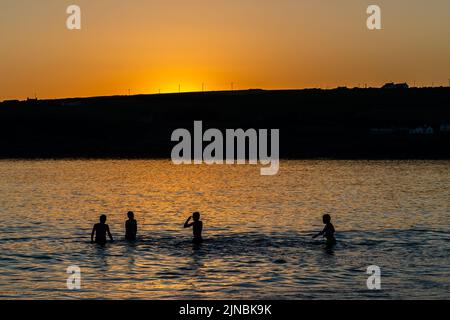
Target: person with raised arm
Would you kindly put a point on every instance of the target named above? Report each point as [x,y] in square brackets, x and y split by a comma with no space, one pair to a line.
[197,227]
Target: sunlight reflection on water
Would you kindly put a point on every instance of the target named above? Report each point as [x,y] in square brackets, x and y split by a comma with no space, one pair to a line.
[394,214]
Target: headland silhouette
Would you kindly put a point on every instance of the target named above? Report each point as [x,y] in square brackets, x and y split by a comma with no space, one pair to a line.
[381,123]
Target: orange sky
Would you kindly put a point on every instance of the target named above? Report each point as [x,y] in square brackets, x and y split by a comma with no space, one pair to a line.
[147,45]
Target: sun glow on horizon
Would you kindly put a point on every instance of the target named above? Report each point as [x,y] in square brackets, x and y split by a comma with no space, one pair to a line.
[138,47]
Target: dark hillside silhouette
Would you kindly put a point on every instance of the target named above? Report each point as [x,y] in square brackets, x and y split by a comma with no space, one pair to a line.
[340,123]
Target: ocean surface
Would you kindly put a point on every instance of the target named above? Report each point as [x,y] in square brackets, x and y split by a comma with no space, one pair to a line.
[257,230]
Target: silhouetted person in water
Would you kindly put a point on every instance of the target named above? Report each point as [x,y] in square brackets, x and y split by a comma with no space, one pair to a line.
[130,227]
[197,227]
[328,231]
[100,230]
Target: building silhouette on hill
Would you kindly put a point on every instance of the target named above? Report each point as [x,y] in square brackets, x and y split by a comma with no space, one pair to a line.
[392,85]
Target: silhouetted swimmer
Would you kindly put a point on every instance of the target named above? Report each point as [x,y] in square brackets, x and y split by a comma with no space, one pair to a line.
[328,231]
[100,230]
[197,227]
[130,227]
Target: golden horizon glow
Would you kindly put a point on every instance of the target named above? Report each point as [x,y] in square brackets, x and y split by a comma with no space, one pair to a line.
[143,47]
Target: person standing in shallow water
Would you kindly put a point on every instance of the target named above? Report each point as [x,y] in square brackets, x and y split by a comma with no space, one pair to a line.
[100,230]
[197,227]
[130,227]
[328,231]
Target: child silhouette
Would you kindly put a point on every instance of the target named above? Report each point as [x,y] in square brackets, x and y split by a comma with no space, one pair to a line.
[100,230]
[130,227]
[328,231]
[197,227]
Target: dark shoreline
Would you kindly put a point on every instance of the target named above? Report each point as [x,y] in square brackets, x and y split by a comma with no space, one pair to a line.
[341,124]
[168,159]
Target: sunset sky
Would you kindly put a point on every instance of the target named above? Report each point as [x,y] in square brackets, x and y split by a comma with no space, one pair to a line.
[152,45]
